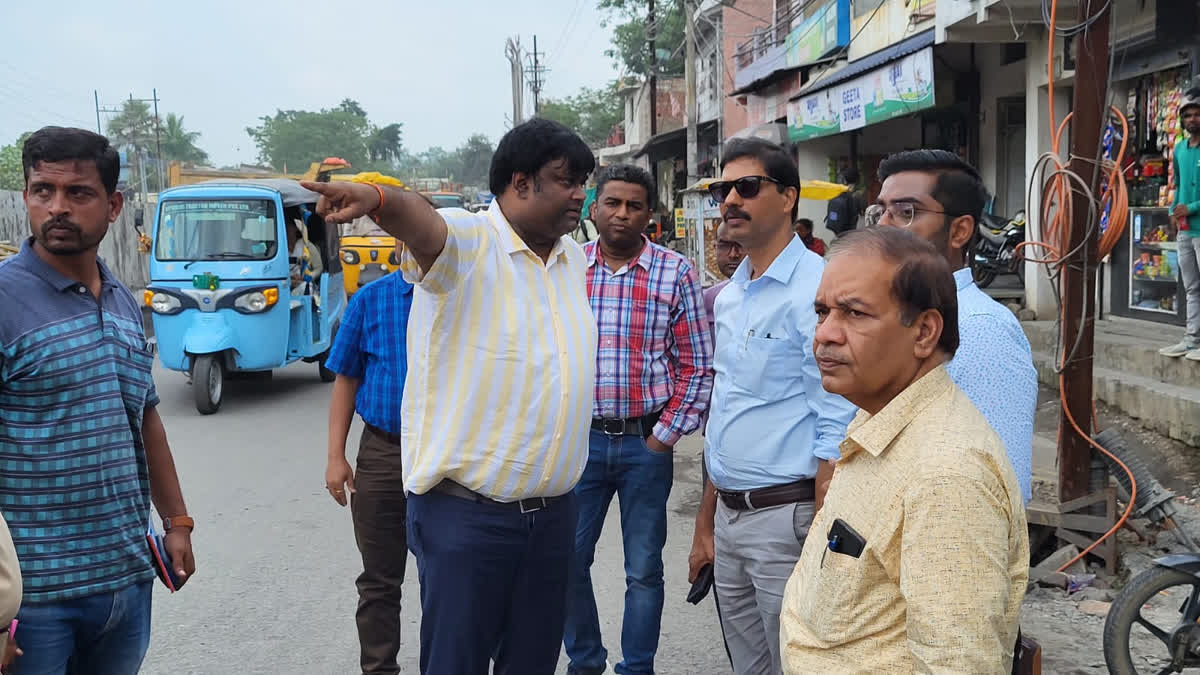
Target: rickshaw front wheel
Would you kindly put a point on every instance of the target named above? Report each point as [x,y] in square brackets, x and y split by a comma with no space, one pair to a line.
[208,382]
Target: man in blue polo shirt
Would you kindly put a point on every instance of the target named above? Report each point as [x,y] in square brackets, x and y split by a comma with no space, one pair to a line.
[83,451]
[369,358]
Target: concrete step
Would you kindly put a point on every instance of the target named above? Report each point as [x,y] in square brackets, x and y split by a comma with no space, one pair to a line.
[1169,409]
[1128,347]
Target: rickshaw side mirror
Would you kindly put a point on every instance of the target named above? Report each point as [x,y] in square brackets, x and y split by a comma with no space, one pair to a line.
[139,219]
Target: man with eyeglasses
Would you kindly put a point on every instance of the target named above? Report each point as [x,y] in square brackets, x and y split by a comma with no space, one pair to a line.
[729,256]
[772,430]
[940,198]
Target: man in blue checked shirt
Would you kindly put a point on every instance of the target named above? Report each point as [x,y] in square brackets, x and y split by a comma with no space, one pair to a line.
[369,358]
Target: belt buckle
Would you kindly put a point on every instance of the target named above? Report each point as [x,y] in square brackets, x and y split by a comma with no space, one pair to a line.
[609,425]
[746,498]
[533,509]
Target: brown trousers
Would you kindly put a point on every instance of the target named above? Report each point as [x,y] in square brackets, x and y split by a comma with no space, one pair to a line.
[379,510]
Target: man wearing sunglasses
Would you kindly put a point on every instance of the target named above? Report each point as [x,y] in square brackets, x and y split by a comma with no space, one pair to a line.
[940,198]
[772,430]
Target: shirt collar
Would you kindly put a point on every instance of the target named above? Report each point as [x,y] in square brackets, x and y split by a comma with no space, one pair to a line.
[645,259]
[964,279]
[29,258]
[874,433]
[509,238]
[780,269]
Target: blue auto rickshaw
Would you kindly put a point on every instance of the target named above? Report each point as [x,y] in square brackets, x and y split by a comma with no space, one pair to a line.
[222,291]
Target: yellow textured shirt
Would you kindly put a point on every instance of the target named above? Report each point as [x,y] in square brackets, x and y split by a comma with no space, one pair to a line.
[501,363]
[938,588]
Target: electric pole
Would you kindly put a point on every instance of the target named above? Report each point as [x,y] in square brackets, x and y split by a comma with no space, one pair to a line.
[512,50]
[651,33]
[96,96]
[1090,110]
[536,72]
[689,77]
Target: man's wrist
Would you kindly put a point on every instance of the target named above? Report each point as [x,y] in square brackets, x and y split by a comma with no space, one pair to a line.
[181,521]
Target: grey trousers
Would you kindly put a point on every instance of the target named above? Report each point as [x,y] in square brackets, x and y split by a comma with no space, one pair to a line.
[1189,272]
[756,552]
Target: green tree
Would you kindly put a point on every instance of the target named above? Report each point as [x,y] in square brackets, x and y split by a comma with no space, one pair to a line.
[631,47]
[591,113]
[296,138]
[133,126]
[179,144]
[12,176]
[475,158]
[386,143]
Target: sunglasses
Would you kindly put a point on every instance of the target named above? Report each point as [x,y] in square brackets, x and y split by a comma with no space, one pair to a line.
[746,186]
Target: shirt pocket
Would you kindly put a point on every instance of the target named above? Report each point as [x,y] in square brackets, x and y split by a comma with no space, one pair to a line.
[769,368]
[135,366]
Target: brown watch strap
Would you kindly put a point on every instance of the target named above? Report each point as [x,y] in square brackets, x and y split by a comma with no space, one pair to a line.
[179,521]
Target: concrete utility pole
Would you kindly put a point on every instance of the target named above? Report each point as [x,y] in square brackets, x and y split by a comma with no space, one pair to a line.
[693,108]
[651,33]
[512,50]
[1079,273]
[536,72]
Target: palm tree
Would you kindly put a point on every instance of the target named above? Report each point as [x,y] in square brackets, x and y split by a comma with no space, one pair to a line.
[179,144]
[386,143]
[134,126]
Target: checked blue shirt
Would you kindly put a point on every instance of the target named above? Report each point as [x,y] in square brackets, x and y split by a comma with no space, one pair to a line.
[370,346]
[75,381]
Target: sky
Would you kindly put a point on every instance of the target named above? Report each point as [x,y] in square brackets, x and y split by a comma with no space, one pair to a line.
[438,67]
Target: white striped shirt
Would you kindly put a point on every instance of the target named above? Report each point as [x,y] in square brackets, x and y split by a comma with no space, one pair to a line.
[501,363]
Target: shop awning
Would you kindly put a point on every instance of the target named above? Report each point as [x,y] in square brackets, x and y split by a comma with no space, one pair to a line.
[870,62]
[660,141]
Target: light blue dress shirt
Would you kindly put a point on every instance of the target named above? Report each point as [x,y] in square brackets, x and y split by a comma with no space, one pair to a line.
[994,367]
[770,420]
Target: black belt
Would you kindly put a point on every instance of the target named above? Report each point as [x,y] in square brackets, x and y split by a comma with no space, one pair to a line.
[394,439]
[528,505]
[628,426]
[777,495]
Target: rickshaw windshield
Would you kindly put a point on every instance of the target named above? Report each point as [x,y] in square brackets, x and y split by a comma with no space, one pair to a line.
[209,229]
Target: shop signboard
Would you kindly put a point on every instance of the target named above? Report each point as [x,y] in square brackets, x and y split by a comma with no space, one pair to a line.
[825,30]
[896,89]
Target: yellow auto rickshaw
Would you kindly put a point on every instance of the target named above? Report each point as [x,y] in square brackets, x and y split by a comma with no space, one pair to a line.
[368,253]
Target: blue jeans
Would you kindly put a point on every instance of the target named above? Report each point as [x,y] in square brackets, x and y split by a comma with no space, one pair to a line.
[104,634]
[641,478]
[493,584]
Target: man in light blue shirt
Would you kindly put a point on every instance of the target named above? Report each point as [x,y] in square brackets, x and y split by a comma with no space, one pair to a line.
[939,197]
[772,430]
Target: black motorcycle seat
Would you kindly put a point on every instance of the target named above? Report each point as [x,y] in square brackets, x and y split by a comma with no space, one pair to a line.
[995,236]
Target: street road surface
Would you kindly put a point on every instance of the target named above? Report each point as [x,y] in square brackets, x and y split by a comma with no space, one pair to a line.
[274,590]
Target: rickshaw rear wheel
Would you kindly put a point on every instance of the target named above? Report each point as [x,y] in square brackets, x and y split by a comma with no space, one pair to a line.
[327,375]
[208,383]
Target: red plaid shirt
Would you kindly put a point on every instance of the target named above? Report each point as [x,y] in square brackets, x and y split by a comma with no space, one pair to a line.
[655,348]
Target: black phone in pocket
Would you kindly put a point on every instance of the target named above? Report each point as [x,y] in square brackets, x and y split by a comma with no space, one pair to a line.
[843,539]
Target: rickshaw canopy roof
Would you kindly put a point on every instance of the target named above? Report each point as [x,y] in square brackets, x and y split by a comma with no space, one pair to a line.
[290,191]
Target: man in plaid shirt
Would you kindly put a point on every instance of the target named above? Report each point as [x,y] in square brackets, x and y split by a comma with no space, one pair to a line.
[653,378]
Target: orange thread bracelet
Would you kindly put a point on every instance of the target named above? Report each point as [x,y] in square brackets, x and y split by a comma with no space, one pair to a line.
[374,214]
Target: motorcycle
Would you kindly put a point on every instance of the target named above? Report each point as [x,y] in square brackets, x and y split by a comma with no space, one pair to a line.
[1164,601]
[996,248]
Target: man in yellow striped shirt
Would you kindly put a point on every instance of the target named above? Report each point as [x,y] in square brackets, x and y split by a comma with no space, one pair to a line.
[498,399]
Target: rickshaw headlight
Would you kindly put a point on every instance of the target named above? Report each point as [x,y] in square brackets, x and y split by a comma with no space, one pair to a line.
[258,301]
[349,257]
[162,303]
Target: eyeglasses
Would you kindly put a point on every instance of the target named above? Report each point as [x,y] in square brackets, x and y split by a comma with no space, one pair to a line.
[747,187]
[729,247]
[901,213]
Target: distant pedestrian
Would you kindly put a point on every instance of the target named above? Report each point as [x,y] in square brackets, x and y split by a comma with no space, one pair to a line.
[843,211]
[804,230]
[729,256]
[82,445]
[497,402]
[369,357]
[654,375]
[773,431]
[918,559]
[1186,212]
